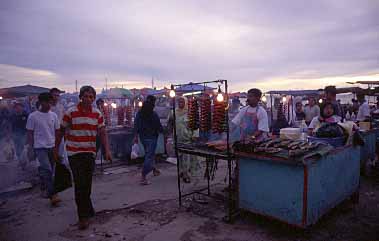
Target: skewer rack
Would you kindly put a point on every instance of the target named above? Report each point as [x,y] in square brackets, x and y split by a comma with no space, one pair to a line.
[209,155]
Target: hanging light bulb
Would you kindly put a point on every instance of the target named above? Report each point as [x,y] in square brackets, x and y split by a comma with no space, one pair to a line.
[140,103]
[1,97]
[105,104]
[264,98]
[284,99]
[114,105]
[172,92]
[372,88]
[220,96]
[320,101]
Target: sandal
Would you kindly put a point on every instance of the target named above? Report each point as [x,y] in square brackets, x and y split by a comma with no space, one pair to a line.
[156,172]
[145,182]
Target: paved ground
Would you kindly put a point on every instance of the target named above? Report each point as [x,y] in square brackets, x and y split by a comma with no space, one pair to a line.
[127,211]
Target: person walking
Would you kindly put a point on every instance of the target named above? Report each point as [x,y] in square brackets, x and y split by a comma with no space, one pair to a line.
[82,123]
[18,120]
[147,126]
[41,127]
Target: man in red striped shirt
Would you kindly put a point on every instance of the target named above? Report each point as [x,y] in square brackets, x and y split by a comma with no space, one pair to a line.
[81,125]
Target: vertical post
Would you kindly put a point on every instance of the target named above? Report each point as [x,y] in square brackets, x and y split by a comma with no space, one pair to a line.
[230,196]
[176,149]
[272,114]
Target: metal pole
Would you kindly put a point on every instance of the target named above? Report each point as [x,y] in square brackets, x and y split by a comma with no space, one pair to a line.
[176,149]
[230,197]
[272,113]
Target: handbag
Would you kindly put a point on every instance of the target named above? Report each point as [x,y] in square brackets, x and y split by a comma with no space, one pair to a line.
[62,178]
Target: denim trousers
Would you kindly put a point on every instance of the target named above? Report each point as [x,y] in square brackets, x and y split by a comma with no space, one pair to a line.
[149,145]
[46,169]
[19,139]
[82,167]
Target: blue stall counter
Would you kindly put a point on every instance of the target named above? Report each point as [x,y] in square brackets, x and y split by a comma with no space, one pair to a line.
[298,193]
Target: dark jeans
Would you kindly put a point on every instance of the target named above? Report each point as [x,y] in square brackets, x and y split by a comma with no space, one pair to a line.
[82,166]
[150,145]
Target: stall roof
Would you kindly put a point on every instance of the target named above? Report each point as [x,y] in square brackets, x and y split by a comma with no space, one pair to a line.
[22,91]
[192,88]
[365,82]
[117,93]
[294,92]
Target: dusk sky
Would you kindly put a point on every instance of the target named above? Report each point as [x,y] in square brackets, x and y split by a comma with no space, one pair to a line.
[270,44]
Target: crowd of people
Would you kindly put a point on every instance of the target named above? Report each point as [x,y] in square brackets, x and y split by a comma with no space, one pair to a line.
[74,136]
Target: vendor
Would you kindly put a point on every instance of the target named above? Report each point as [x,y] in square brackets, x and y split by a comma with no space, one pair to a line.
[328,114]
[331,96]
[364,109]
[300,115]
[311,110]
[189,165]
[252,120]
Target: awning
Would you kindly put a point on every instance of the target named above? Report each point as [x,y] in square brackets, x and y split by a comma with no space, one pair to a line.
[295,92]
[22,91]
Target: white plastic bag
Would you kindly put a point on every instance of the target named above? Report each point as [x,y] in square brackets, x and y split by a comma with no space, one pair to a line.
[135,151]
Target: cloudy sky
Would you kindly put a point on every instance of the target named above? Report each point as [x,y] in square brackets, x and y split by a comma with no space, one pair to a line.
[271,44]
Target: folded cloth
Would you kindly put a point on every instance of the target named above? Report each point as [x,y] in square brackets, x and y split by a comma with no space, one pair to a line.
[350,128]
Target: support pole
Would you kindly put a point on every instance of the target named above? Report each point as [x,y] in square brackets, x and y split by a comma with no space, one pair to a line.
[176,149]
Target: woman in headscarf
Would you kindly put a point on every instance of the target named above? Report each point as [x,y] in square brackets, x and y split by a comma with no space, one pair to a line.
[188,164]
[147,126]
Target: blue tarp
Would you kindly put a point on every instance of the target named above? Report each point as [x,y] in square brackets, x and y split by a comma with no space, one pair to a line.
[294,92]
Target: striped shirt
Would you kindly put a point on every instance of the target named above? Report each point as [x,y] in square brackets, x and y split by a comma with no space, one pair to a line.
[82,128]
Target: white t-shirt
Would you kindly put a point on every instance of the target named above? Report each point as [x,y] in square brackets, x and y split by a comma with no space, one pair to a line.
[59,110]
[44,126]
[261,115]
[363,112]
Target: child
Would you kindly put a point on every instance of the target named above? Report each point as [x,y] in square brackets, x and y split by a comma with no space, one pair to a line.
[327,115]
[41,127]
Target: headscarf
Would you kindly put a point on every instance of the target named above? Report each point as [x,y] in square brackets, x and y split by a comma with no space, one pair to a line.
[181,112]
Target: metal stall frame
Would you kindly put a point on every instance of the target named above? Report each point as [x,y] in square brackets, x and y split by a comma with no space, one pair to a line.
[209,155]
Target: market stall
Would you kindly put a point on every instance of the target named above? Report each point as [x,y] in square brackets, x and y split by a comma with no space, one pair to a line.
[296,186]
[207,115]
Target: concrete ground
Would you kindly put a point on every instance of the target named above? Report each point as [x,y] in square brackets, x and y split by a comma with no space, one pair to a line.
[128,211]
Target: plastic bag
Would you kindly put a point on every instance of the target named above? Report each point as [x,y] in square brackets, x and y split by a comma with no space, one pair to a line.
[25,157]
[62,178]
[135,151]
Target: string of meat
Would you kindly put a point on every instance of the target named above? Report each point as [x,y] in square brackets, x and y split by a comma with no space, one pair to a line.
[120,115]
[219,117]
[205,113]
[193,113]
[107,114]
[129,115]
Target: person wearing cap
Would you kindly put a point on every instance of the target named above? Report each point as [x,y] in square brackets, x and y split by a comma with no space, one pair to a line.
[56,105]
[252,120]
[58,108]
[42,125]
[331,97]
[364,109]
